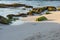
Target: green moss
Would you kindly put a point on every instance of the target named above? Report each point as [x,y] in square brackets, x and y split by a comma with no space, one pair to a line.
[48,13]
[41,18]
[7,21]
[4,20]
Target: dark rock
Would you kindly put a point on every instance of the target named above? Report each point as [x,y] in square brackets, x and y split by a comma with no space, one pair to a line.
[3,20]
[36,11]
[22,15]
[10,16]
[39,10]
[11,5]
[14,5]
[28,6]
[51,8]
[30,13]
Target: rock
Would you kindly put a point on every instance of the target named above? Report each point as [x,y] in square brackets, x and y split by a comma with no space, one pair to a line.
[14,5]
[30,13]
[22,15]
[58,8]
[36,11]
[51,8]
[10,16]
[39,10]
[28,6]
[3,20]
[11,5]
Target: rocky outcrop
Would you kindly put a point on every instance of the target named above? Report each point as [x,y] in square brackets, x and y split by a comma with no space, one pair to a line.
[39,10]
[10,16]
[3,20]
[36,11]
[14,5]
[51,8]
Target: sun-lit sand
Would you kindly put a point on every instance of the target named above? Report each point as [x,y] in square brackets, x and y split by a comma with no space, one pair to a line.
[54,17]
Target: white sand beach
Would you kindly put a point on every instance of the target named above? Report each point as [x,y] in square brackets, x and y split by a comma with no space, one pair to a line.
[31,31]
[54,17]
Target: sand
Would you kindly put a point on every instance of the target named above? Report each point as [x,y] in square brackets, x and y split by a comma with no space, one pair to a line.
[54,17]
[31,31]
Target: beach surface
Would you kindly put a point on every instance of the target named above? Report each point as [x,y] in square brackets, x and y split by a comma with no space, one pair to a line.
[31,31]
[54,17]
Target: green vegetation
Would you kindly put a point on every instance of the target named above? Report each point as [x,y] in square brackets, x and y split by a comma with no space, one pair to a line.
[41,18]
[48,13]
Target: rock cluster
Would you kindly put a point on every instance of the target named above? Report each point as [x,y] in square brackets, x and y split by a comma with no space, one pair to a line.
[36,11]
[4,20]
[40,10]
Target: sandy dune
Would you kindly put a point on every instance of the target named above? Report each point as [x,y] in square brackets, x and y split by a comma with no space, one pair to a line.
[54,17]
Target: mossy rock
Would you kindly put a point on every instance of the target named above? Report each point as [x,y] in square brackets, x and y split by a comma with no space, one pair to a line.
[10,16]
[4,20]
[48,13]
[29,13]
[51,8]
[43,18]
[39,10]
[36,11]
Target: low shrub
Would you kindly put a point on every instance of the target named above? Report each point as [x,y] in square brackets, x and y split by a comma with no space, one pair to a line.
[41,18]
